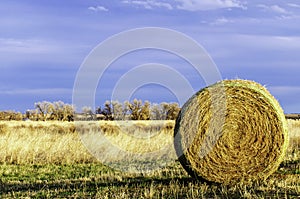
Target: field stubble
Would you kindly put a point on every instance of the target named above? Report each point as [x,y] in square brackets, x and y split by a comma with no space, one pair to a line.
[49,159]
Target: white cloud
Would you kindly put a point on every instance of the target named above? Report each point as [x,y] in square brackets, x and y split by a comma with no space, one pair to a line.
[14,51]
[195,5]
[269,41]
[293,5]
[285,90]
[279,9]
[98,8]
[274,8]
[263,6]
[289,96]
[221,21]
[161,4]
[149,4]
[27,46]
[38,91]
[189,5]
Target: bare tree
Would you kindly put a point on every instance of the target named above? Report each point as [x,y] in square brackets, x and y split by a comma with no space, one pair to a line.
[117,110]
[138,110]
[156,112]
[107,111]
[172,111]
[135,108]
[60,111]
[165,111]
[44,109]
[145,111]
[87,113]
[87,110]
[69,112]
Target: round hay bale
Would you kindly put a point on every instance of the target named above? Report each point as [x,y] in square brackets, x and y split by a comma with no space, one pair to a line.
[233,131]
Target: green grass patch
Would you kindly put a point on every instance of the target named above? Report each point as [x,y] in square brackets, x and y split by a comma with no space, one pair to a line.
[99,181]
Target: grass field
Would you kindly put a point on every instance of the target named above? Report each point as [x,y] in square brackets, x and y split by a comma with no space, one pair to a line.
[50,160]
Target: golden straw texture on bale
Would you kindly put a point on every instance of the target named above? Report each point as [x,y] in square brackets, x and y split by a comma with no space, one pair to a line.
[233,131]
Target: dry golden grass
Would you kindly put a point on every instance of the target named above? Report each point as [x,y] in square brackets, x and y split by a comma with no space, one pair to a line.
[130,146]
[64,142]
[41,142]
[59,142]
[293,152]
[48,160]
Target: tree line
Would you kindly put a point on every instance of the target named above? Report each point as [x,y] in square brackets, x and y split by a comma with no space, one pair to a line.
[111,110]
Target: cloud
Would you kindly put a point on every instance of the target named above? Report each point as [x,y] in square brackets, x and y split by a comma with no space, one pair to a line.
[149,4]
[196,5]
[98,8]
[278,9]
[188,5]
[293,5]
[285,90]
[27,46]
[221,21]
[288,97]
[274,8]
[267,42]
[18,51]
[37,91]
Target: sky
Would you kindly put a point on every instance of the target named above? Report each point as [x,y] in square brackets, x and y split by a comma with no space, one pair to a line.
[43,44]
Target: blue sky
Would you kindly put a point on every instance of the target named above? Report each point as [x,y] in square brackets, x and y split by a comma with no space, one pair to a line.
[43,43]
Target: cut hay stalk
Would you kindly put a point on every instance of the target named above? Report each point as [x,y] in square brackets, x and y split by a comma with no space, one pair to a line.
[232,131]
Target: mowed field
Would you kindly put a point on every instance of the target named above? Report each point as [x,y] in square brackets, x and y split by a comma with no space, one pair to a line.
[133,159]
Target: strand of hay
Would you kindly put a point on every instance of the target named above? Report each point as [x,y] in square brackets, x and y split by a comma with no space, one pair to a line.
[232,131]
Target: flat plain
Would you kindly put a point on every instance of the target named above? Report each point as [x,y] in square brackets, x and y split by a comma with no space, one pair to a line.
[133,159]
